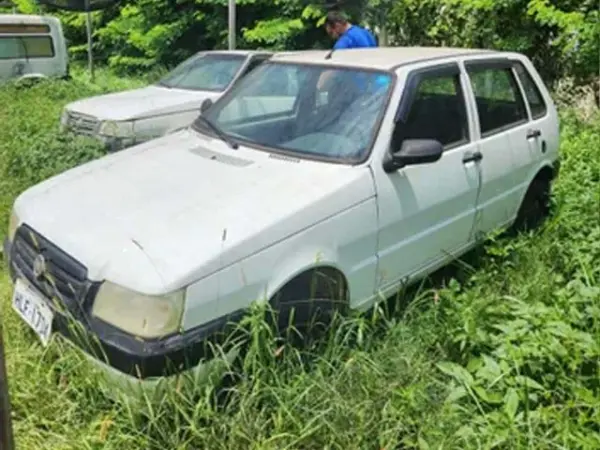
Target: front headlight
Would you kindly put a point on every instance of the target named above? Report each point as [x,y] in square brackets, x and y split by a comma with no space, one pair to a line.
[115,129]
[141,315]
[13,224]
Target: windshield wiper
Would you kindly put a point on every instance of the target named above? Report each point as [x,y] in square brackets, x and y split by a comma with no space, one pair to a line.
[218,132]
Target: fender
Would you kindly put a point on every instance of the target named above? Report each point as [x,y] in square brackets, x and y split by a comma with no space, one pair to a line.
[298,263]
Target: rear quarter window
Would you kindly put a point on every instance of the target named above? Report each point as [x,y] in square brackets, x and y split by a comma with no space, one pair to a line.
[500,105]
[532,92]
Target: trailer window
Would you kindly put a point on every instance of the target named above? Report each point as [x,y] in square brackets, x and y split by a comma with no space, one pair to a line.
[10,48]
[26,47]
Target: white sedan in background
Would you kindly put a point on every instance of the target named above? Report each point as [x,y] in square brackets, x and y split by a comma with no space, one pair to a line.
[131,117]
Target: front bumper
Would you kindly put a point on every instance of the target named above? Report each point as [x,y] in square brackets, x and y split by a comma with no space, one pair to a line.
[123,387]
[114,144]
[127,355]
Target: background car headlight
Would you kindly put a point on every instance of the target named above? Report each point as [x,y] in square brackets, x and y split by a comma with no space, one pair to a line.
[138,314]
[116,129]
[13,224]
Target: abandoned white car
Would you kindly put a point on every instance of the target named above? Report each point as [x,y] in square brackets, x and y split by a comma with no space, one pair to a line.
[376,167]
[123,119]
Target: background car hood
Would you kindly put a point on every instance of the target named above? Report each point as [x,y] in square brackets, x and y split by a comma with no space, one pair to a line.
[139,103]
[161,215]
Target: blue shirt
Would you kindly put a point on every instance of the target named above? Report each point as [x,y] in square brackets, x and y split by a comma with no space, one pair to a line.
[355,37]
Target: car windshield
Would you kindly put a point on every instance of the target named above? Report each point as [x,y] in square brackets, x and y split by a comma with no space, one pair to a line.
[306,110]
[206,72]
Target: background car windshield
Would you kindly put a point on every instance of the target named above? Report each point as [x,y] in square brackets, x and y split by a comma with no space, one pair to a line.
[308,110]
[204,72]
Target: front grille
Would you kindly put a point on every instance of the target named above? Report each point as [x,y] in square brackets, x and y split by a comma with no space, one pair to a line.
[81,123]
[63,277]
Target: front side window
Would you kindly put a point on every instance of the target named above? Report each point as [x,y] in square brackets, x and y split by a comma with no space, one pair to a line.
[437,112]
[283,106]
[23,47]
[204,73]
[532,92]
[499,101]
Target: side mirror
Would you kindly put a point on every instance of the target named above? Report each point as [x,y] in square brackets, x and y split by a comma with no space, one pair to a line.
[207,103]
[414,151]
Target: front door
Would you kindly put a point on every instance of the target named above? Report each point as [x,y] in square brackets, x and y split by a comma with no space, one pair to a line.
[426,212]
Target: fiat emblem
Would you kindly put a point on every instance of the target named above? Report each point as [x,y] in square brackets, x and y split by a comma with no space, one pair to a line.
[39,266]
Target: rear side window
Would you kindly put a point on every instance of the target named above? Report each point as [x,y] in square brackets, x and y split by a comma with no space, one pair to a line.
[532,92]
[499,101]
[438,112]
[22,47]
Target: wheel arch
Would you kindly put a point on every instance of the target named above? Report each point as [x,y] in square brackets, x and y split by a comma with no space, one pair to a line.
[298,285]
[545,172]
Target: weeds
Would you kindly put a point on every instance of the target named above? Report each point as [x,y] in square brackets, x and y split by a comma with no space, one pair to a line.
[502,351]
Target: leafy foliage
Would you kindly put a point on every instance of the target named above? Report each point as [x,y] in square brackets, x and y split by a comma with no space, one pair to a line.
[561,36]
[31,146]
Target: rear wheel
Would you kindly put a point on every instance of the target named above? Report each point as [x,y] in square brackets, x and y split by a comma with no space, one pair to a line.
[535,207]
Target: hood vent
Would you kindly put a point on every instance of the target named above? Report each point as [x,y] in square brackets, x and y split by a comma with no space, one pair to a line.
[284,157]
[220,157]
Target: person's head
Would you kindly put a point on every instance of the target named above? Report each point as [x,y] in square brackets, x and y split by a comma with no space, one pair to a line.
[335,24]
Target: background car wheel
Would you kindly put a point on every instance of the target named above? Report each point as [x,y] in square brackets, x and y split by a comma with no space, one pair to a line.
[535,206]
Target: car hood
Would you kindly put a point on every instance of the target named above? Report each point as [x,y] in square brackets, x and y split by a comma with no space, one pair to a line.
[140,103]
[164,214]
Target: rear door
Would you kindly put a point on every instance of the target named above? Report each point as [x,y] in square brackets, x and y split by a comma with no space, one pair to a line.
[503,125]
[541,134]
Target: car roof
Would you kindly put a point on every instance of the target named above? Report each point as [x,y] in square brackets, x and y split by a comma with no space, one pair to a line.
[236,52]
[27,18]
[386,58]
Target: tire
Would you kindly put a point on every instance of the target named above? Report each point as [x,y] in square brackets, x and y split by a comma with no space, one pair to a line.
[306,306]
[535,207]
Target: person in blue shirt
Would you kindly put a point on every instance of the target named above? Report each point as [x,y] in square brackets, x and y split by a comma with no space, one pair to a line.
[346,34]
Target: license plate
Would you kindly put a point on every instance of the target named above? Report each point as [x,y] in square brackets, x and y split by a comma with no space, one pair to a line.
[34,310]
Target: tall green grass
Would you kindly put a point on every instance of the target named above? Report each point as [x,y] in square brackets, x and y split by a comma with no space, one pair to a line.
[500,351]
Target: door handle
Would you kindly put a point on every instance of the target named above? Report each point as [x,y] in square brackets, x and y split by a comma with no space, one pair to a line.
[472,157]
[531,134]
